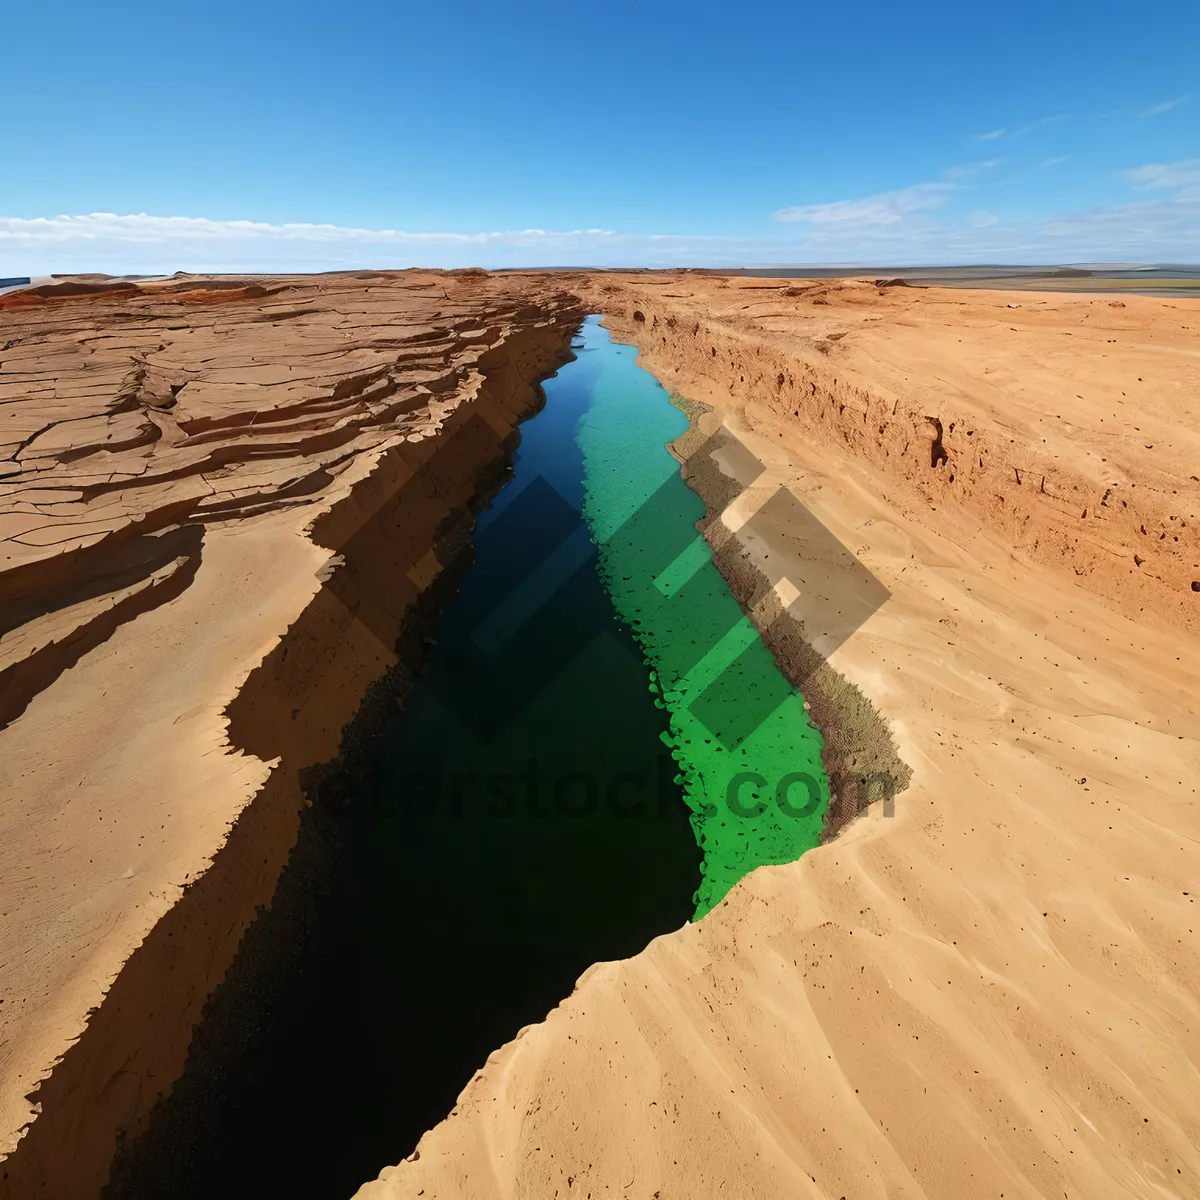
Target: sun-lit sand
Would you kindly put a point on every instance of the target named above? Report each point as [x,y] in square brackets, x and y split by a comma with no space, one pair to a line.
[991,993]
[221,500]
[994,992]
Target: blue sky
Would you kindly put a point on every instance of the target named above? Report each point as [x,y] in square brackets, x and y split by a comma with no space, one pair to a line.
[262,135]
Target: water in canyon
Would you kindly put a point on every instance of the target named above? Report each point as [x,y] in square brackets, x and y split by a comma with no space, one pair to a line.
[599,748]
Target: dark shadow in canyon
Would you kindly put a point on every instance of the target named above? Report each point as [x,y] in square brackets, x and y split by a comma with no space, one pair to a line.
[469,856]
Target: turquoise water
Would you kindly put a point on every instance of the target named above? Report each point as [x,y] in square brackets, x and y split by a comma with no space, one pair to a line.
[749,759]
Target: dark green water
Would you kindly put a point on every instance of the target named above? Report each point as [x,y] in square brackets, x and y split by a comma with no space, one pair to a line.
[749,757]
[523,822]
[536,806]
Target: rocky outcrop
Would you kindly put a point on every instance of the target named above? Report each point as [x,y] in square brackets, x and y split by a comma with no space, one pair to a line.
[1052,421]
[222,504]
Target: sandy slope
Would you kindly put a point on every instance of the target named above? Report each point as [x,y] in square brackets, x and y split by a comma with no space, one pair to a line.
[994,993]
[198,486]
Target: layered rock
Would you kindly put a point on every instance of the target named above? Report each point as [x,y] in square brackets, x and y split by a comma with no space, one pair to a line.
[221,500]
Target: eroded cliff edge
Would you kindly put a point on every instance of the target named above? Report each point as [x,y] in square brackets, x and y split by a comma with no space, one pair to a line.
[994,990]
[222,502]
[1064,425]
[991,992]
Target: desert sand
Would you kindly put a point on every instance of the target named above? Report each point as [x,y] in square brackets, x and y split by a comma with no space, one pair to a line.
[220,500]
[991,993]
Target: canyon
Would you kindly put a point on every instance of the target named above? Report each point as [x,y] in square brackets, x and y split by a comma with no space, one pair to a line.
[232,511]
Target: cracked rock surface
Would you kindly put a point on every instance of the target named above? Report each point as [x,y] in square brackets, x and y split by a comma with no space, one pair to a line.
[218,498]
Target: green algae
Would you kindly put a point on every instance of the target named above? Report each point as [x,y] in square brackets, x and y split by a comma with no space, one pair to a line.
[749,759]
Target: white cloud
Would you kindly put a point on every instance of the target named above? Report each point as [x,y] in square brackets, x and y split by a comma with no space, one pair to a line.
[1156,110]
[147,244]
[143,229]
[885,208]
[995,134]
[909,226]
[1166,175]
[965,171]
[1159,230]
[1039,123]
[888,208]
